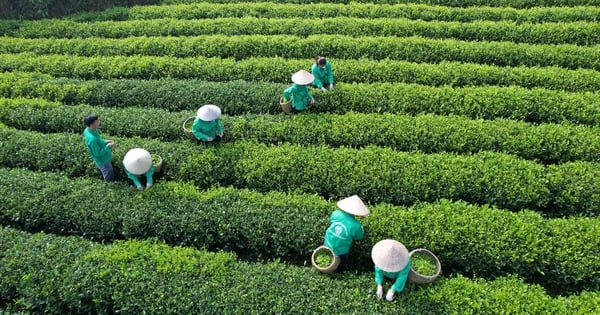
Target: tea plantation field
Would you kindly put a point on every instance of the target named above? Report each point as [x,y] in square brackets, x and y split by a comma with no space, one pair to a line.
[470,128]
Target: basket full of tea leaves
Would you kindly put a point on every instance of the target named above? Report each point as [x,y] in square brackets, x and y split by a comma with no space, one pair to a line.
[324,259]
[286,105]
[157,162]
[425,266]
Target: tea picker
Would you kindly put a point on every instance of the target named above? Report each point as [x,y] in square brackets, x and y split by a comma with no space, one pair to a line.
[391,260]
[344,228]
[296,97]
[323,74]
[99,148]
[138,162]
[207,125]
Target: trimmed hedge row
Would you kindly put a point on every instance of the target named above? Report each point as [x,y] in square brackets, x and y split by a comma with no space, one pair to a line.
[280,70]
[255,225]
[450,3]
[413,49]
[578,33]
[546,143]
[40,276]
[27,9]
[241,97]
[377,174]
[267,226]
[206,10]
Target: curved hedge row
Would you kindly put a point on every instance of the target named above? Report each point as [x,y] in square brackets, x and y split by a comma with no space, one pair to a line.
[206,10]
[376,174]
[425,133]
[241,97]
[450,3]
[150,277]
[413,49]
[267,226]
[39,9]
[280,70]
[579,33]
[546,143]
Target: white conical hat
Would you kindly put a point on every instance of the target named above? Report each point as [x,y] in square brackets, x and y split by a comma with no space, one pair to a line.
[353,205]
[137,161]
[390,255]
[302,77]
[209,112]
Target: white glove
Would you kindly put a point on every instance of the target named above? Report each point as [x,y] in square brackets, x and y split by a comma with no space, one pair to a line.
[390,295]
[330,86]
[379,291]
[323,89]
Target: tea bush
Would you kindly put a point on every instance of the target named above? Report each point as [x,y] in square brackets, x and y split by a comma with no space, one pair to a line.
[578,33]
[376,174]
[547,143]
[151,277]
[240,97]
[449,3]
[412,11]
[23,9]
[280,70]
[413,49]
[466,238]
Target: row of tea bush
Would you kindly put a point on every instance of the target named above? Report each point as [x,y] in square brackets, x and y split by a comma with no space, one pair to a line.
[577,33]
[545,143]
[49,274]
[376,174]
[241,97]
[320,10]
[450,3]
[413,49]
[277,69]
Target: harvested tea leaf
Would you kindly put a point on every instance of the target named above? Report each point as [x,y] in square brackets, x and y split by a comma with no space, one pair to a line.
[423,264]
[323,258]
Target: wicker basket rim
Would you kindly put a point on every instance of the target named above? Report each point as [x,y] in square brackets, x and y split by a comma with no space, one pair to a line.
[160,159]
[281,102]
[185,122]
[438,265]
[334,262]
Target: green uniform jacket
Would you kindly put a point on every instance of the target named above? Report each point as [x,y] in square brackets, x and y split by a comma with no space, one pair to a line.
[204,129]
[136,178]
[400,276]
[299,95]
[343,229]
[322,75]
[97,146]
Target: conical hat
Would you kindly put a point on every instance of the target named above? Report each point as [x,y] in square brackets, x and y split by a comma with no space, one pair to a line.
[353,205]
[137,161]
[209,112]
[390,255]
[302,77]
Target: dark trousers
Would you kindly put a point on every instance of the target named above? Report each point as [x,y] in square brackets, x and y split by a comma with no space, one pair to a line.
[325,85]
[108,172]
[343,263]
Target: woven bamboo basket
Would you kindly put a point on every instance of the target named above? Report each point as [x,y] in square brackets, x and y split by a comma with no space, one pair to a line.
[335,262]
[187,129]
[158,163]
[415,277]
[285,106]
